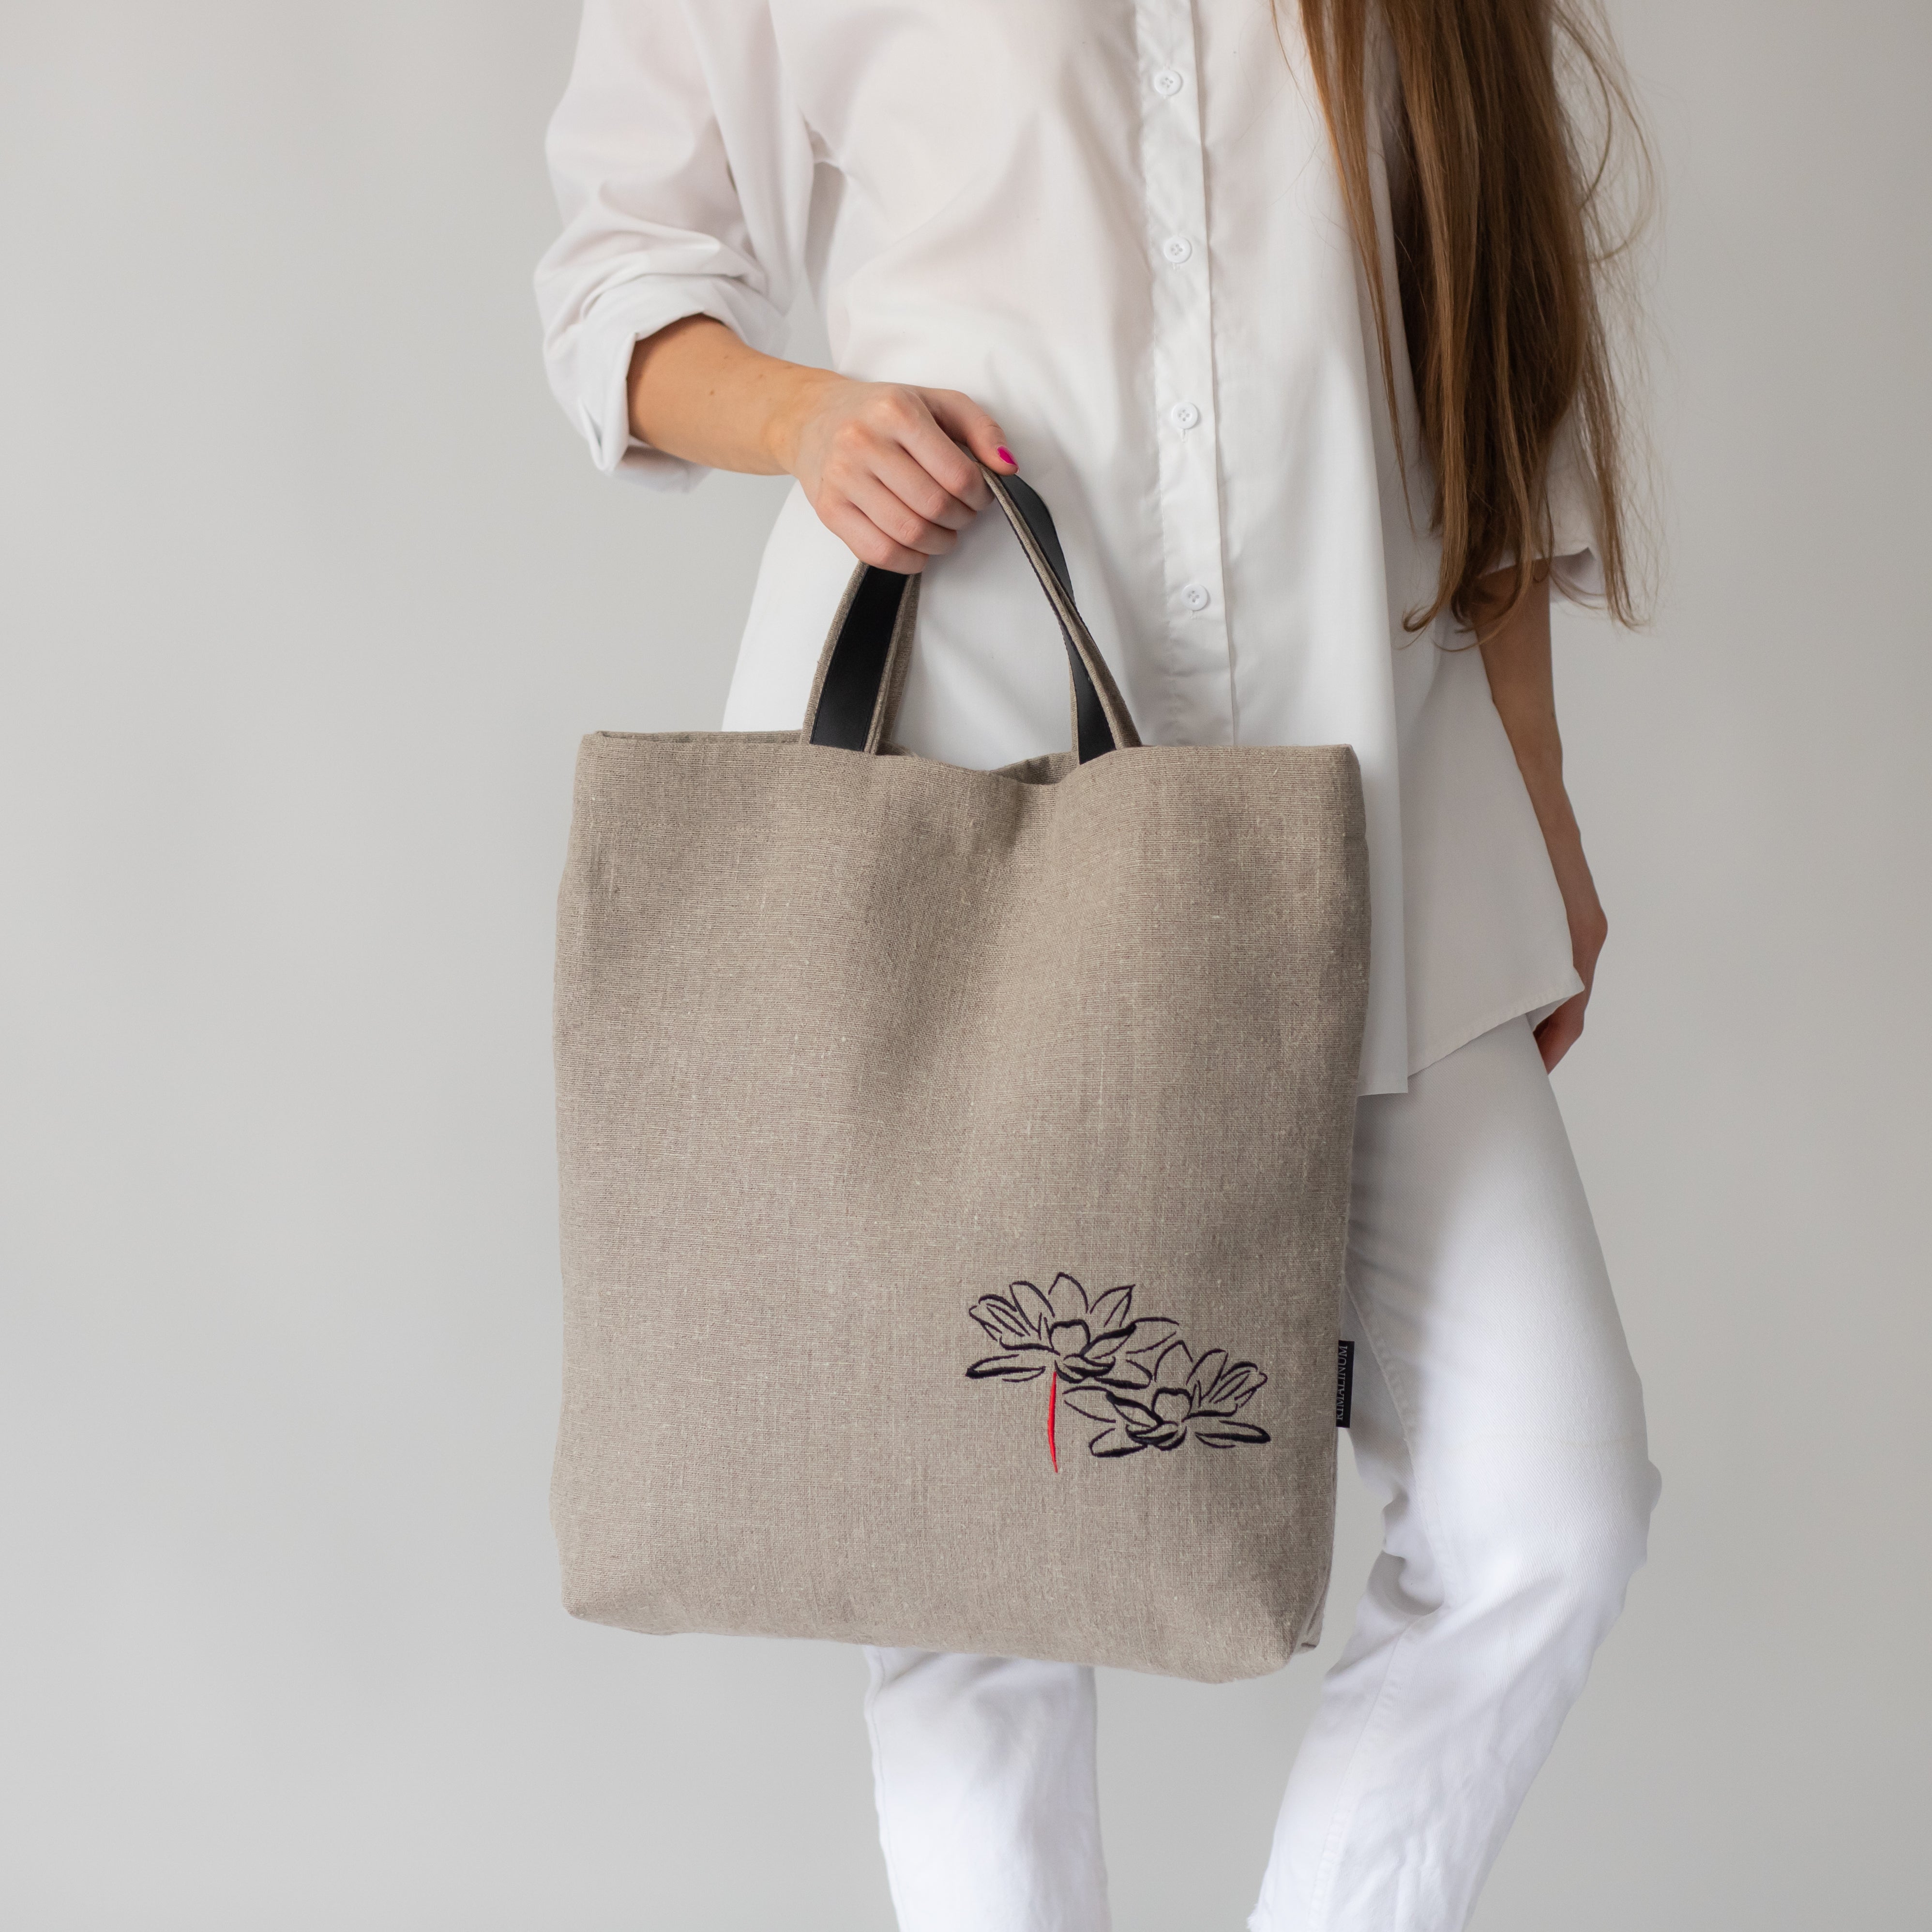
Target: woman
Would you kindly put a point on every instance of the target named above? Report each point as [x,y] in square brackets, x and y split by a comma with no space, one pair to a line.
[1291,321]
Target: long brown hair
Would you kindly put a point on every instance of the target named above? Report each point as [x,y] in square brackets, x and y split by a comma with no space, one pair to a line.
[1504,234]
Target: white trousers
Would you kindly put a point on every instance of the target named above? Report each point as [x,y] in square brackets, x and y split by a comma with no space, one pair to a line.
[1497,1415]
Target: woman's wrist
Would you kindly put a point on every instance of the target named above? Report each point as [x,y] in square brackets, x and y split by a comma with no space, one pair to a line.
[797,393]
[1539,757]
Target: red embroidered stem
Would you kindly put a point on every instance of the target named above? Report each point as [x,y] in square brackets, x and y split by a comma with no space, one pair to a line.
[1052,1396]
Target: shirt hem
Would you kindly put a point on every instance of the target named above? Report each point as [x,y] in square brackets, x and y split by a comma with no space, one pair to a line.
[1441,1048]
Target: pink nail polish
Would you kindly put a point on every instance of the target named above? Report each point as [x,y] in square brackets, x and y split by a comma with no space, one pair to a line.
[1006,456]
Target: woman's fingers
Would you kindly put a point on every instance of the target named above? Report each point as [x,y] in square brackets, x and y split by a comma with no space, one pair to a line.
[964,422]
[922,492]
[906,478]
[884,467]
[867,542]
[930,441]
[896,519]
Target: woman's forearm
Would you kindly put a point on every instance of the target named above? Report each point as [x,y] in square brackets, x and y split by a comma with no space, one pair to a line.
[698,391]
[1516,657]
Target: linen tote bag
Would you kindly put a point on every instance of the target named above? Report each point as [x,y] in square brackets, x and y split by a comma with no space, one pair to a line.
[954,1174]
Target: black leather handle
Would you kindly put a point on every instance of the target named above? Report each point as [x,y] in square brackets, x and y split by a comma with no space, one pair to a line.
[854,674]
[856,681]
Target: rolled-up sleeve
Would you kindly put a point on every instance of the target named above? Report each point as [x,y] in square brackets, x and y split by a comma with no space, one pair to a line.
[683,175]
[1573,544]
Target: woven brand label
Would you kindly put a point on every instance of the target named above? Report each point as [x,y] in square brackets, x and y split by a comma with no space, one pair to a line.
[1344,1381]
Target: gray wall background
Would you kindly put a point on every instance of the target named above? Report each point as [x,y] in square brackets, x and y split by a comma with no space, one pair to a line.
[309,591]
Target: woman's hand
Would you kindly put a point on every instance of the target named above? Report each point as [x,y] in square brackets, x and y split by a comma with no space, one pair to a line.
[1588,929]
[1516,654]
[881,463]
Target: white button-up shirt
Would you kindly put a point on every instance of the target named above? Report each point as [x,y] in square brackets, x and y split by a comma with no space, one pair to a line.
[1117,225]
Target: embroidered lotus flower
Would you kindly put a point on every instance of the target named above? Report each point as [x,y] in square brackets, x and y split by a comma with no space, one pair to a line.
[1191,1396]
[1057,1330]
[1132,1372]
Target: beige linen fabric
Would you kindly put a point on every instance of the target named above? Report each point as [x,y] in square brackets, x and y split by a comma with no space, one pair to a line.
[847,1043]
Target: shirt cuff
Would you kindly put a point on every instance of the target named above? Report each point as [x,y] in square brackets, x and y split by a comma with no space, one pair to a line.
[614,324]
[1576,566]
[1578,575]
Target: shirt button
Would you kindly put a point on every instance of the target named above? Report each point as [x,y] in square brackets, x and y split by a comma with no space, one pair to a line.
[1177,248]
[1169,81]
[1194,596]
[1186,415]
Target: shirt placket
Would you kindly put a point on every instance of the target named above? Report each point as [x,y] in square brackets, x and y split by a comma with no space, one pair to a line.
[1199,689]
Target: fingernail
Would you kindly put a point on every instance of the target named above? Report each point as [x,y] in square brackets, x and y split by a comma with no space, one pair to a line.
[1006,456]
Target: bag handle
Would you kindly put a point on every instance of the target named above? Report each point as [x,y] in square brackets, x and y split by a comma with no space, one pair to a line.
[862,670]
